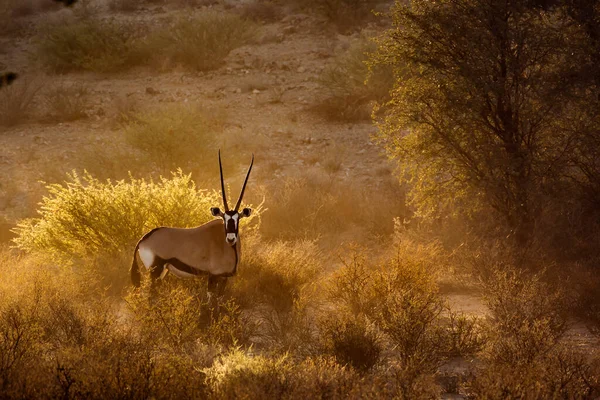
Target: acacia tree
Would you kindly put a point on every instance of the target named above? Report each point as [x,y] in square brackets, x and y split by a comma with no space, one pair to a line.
[478,103]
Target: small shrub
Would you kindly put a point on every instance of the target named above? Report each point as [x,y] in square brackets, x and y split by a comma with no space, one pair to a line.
[17,101]
[275,274]
[349,87]
[560,374]
[240,375]
[409,312]
[352,342]
[401,299]
[88,44]
[274,282]
[200,42]
[174,136]
[67,102]
[465,336]
[527,317]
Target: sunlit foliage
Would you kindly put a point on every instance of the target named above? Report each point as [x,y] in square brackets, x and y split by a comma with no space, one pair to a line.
[480,95]
[85,216]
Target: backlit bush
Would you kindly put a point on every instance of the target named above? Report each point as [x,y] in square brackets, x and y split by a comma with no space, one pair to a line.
[85,216]
[527,317]
[561,374]
[275,282]
[240,375]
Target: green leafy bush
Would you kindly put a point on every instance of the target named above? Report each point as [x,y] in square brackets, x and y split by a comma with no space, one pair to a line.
[89,44]
[173,136]
[200,41]
[85,216]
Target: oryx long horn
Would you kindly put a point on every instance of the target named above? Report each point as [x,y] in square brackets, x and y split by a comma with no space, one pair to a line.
[223,184]
[244,187]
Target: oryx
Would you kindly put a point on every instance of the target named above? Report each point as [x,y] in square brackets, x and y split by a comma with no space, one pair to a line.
[213,248]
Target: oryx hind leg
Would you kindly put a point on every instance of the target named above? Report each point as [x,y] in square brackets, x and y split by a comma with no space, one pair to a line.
[158,270]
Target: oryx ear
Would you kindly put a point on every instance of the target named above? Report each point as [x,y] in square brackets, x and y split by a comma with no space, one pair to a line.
[245,212]
[216,212]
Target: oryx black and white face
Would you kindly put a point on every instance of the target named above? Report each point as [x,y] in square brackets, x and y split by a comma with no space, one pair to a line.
[231,218]
[231,221]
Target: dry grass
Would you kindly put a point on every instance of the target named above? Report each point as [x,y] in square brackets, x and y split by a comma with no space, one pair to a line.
[198,41]
[66,102]
[124,6]
[261,11]
[315,204]
[174,136]
[85,43]
[17,101]
[349,89]
[346,15]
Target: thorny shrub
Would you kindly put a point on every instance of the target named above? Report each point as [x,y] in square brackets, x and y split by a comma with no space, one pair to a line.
[178,316]
[400,298]
[527,317]
[242,375]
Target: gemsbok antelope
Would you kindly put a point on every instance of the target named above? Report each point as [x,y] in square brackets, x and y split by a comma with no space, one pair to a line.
[213,248]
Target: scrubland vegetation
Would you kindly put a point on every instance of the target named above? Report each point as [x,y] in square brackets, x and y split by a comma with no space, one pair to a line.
[346,283]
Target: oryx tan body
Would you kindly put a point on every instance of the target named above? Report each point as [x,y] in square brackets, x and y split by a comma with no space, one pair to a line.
[213,248]
[202,248]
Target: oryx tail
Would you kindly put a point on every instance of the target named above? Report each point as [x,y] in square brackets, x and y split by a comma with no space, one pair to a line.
[135,268]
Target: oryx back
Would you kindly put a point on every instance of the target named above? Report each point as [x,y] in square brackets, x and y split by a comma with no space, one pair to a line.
[189,252]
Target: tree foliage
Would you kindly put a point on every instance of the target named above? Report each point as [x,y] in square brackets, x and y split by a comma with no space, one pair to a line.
[487,106]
